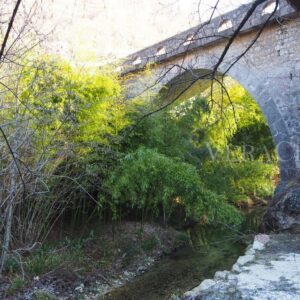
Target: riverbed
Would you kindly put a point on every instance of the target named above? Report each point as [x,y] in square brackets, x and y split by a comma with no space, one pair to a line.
[211,249]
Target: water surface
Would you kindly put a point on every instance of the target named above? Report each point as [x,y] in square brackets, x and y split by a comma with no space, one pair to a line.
[212,249]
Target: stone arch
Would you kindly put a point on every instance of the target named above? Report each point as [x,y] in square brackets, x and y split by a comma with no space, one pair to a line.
[269,71]
[264,97]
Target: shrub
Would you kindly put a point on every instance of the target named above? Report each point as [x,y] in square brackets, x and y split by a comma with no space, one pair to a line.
[149,243]
[16,285]
[44,261]
[238,181]
[147,180]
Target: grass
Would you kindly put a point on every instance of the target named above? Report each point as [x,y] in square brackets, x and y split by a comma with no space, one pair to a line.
[44,261]
[182,239]
[150,243]
[47,258]
[87,255]
[11,265]
[131,251]
[16,285]
[44,295]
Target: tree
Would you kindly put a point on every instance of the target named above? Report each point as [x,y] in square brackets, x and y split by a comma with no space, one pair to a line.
[13,172]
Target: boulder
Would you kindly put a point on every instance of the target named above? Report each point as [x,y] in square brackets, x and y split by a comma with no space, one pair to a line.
[283,214]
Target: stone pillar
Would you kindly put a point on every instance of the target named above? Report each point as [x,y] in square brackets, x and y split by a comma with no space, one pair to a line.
[284,210]
[283,213]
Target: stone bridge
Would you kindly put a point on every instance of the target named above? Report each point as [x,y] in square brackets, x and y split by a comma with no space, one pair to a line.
[269,71]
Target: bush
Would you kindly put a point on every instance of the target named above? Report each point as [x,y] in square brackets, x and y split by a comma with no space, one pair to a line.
[154,183]
[44,261]
[239,181]
[16,285]
[149,243]
[49,258]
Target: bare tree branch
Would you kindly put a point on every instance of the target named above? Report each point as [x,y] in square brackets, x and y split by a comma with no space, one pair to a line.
[10,26]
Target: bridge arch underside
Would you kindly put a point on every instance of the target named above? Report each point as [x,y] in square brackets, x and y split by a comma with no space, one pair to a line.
[284,210]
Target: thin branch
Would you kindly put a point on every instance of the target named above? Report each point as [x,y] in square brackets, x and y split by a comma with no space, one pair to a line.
[10,25]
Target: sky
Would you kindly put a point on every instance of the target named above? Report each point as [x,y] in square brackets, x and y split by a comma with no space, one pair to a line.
[94,30]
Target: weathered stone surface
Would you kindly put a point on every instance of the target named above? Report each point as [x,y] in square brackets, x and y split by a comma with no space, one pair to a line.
[245,259]
[205,285]
[221,275]
[284,211]
[272,274]
[291,202]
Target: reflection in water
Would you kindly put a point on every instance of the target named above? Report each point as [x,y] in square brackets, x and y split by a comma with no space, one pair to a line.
[212,249]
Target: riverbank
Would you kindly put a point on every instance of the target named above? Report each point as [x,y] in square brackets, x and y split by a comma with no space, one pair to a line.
[128,261]
[269,270]
[211,248]
[90,265]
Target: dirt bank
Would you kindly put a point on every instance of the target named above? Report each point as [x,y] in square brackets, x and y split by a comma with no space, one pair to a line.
[91,266]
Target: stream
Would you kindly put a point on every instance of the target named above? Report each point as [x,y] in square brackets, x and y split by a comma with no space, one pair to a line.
[212,249]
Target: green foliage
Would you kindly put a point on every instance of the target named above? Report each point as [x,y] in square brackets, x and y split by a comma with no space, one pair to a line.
[16,285]
[149,243]
[163,131]
[82,159]
[44,261]
[232,143]
[182,239]
[90,163]
[238,181]
[147,180]
[44,295]
[231,118]
[257,141]
[11,265]
[66,254]
[75,118]
[80,106]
